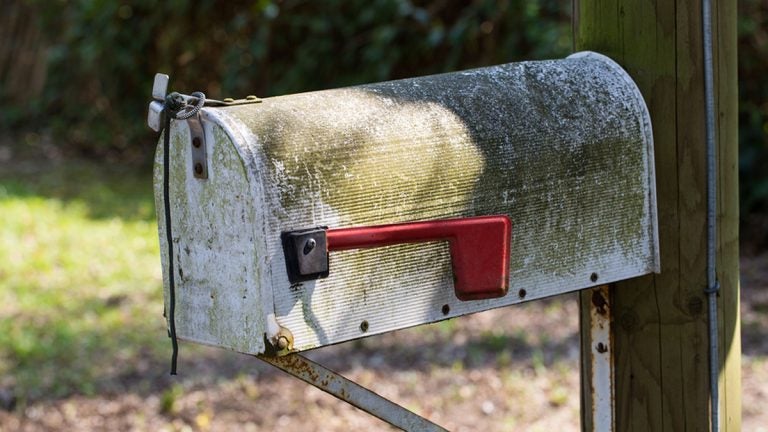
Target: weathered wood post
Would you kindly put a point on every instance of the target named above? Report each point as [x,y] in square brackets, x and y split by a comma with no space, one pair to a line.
[660,340]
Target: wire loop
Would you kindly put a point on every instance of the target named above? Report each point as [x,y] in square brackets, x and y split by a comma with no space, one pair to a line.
[179,105]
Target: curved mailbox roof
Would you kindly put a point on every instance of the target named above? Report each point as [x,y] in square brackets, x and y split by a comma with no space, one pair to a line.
[563,147]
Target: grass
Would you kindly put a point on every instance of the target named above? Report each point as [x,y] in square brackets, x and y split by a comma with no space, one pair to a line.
[80,287]
[80,296]
[81,314]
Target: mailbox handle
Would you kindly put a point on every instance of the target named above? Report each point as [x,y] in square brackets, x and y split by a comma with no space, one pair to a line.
[479,247]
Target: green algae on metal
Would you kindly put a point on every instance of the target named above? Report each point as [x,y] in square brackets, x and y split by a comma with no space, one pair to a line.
[563,147]
[213,251]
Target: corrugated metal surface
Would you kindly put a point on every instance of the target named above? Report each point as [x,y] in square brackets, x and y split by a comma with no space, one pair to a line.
[563,147]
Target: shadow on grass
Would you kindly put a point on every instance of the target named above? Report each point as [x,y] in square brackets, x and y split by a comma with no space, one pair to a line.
[106,191]
[113,359]
[71,308]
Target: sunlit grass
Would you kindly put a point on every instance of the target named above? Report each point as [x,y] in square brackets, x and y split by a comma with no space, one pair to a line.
[80,297]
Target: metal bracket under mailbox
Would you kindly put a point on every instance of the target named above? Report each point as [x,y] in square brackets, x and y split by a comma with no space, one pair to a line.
[349,391]
[199,152]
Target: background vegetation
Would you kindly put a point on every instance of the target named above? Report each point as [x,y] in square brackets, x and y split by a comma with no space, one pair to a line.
[753,117]
[102,55]
[80,298]
[93,60]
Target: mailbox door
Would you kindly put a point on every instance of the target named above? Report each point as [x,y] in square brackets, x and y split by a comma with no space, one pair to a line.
[218,242]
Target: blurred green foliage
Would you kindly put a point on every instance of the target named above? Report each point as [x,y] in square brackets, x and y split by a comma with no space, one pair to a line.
[753,106]
[80,298]
[103,55]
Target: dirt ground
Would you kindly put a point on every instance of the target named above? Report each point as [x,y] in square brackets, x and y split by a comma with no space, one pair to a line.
[754,339]
[509,369]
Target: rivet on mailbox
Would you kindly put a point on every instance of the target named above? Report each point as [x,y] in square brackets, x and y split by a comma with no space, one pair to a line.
[338,214]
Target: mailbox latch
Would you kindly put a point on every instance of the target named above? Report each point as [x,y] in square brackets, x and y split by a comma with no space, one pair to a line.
[479,246]
[184,107]
[199,152]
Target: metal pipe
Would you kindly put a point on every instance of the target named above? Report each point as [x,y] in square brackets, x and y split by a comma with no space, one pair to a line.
[712,284]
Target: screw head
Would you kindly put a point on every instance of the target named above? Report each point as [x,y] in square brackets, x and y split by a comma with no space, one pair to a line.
[198,168]
[309,246]
[282,343]
[196,142]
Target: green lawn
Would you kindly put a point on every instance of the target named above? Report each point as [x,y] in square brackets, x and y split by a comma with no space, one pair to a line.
[80,297]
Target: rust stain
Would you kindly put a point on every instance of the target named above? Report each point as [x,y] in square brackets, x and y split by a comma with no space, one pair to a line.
[602,395]
[344,394]
[350,392]
[599,301]
[295,365]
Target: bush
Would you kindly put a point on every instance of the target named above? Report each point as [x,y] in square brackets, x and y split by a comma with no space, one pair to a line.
[104,54]
[753,106]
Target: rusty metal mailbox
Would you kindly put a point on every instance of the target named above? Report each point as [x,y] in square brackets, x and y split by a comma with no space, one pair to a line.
[310,219]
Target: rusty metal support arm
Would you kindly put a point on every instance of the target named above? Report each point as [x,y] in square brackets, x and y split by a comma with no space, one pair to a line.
[351,392]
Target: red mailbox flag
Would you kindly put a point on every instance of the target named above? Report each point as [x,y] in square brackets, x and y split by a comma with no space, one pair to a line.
[480,248]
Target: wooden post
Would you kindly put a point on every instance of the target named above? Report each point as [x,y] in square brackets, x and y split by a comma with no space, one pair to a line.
[660,342]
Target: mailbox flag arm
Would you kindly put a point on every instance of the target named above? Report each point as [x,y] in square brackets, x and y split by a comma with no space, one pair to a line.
[479,247]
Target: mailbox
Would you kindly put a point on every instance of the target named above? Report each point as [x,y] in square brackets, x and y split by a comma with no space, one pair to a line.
[310,219]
